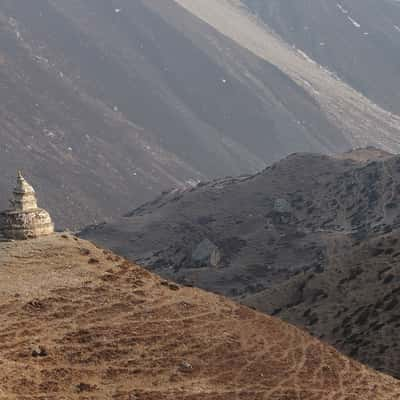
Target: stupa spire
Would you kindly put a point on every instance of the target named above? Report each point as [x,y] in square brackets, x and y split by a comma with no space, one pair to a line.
[24,195]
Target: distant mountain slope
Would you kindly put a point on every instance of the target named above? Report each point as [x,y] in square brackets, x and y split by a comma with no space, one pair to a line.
[106,103]
[111,107]
[359,40]
[248,235]
[85,158]
[363,122]
[80,322]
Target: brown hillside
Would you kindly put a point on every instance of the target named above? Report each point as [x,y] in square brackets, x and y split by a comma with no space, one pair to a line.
[79,322]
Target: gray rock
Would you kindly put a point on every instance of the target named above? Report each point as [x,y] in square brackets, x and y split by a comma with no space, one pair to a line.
[206,253]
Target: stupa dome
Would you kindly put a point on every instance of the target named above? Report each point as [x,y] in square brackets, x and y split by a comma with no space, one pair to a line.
[25,220]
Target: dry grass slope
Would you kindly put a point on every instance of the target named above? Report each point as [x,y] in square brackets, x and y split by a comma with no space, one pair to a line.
[79,322]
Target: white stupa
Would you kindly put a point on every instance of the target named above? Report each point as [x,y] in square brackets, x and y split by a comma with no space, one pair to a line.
[25,220]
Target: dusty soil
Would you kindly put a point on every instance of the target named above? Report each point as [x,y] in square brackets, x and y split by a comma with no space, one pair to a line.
[80,322]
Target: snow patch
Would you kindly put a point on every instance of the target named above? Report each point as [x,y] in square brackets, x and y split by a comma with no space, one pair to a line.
[354,22]
[341,8]
[346,12]
[305,56]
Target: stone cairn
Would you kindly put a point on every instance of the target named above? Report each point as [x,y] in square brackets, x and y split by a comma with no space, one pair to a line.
[25,220]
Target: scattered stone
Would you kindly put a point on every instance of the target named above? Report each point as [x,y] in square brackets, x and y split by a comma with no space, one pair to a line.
[84,387]
[282,206]
[206,253]
[39,351]
[84,252]
[34,305]
[185,367]
[109,277]
[170,285]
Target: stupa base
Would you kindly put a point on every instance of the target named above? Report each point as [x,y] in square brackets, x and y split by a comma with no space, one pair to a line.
[17,225]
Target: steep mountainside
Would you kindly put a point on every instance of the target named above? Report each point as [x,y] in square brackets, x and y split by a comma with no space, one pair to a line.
[110,102]
[363,122]
[110,107]
[265,227]
[79,322]
[246,235]
[353,303]
[358,40]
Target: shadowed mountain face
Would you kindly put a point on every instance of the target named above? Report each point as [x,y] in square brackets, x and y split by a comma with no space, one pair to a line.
[103,328]
[106,103]
[110,103]
[286,227]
